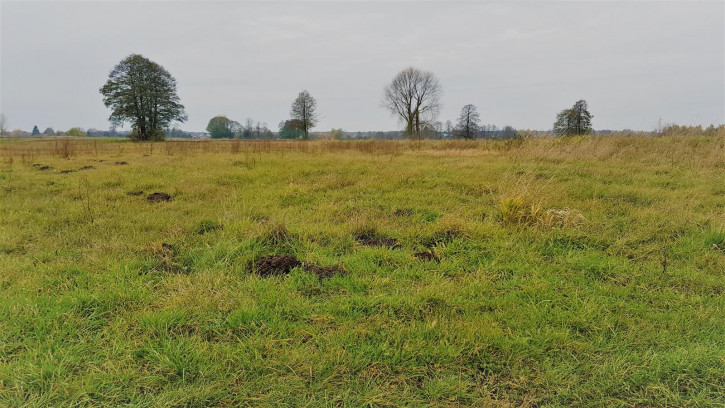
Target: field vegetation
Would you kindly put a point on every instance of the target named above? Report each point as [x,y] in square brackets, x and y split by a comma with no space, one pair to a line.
[584,271]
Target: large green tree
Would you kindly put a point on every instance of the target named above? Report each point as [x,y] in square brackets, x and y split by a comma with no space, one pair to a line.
[574,121]
[35,130]
[304,109]
[143,93]
[221,127]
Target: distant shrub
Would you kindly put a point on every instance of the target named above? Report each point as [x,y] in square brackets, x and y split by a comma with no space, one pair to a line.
[75,132]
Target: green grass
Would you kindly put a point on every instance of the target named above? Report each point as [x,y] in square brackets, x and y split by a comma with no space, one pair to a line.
[583,272]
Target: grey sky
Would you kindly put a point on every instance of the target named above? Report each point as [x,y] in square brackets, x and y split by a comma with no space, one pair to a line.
[519,62]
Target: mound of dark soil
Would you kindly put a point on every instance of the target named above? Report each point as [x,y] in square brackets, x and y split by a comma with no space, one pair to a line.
[121,163]
[39,167]
[323,272]
[426,256]
[87,168]
[158,197]
[274,265]
[66,171]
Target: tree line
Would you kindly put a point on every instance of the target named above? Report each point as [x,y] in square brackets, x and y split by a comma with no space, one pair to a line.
[143,93]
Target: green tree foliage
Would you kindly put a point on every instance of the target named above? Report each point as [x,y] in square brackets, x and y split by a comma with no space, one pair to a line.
[468,123]
[574,121]
[291,129]
[49,131]
[221,127]
[143,93]
[35,130]
[336,134]
[304,111]
[75,132]
[177,133]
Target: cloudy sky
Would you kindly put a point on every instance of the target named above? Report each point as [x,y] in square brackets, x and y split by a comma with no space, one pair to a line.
[519,62]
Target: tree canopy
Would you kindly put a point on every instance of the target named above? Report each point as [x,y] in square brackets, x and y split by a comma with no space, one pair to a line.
[304,110]
[290,129]
[221,127]
[468,123]
[143,93]
[35,130]
[413,96]
[574,121]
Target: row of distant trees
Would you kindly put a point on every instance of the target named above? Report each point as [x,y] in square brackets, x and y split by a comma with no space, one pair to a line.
[221,127]
[143,93]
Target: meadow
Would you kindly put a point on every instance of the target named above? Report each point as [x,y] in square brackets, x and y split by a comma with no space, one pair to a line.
[585,271]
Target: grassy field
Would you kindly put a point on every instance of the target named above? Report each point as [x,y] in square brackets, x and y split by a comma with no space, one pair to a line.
[579,272]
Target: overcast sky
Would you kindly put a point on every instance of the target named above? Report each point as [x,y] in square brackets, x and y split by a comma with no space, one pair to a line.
[520,63]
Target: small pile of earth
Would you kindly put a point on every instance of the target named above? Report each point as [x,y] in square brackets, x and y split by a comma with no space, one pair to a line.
[66,171]
[42,167]
[274,265]
[87,168]
[426,256]
[323,272]
[121,163]
[369,239]
[158,197]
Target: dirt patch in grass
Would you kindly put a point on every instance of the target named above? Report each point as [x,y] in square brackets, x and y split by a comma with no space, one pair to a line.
[274,265]
[324,272]
[426,256]
[87,168]
[42,167]
[158,197]
[135,193]
[371,237]
[121,163]
[66,171]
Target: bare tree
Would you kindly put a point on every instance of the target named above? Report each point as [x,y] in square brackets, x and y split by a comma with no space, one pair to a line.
[304,110]
[414,96]
[468,122]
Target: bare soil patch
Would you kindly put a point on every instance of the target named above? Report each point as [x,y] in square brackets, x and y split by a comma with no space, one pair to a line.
[324,272]
[121,163]
[158,197]
[426,256]
[369,238]
[87,168]
[274,265]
